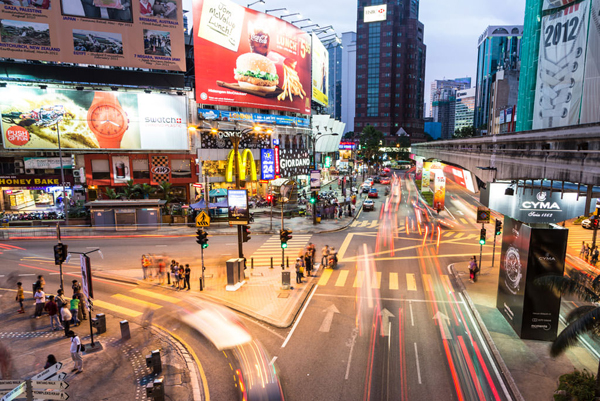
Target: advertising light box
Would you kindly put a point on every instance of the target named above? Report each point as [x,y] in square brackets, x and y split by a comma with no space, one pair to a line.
[375,13]
[249,59]
[320,72]
[139,33]
[32,118]
[237,203]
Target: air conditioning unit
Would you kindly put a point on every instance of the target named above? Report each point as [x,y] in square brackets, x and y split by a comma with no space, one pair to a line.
[19,163]
[76,173]
[82,175]
[29,171]
[19,171]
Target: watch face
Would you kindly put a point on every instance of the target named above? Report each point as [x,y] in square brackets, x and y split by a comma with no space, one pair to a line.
[513,268]
[108,121]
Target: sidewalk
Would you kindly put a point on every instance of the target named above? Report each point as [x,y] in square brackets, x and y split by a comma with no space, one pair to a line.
[117,372]
[529,363]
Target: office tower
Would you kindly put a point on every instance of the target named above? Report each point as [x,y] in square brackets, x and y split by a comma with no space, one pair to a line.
[439,84]
[334,48]
[465,108]
[348,79]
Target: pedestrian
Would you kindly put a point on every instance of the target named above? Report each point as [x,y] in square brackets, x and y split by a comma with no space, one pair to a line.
[40,302]
[20,297]
[52,309]
[340,212]
[50,361]
[76,352]
[332,258]
[82,310]
[162,271]
[586,253]
[76,287]
[181,277]
[582,251]
[471,271]
[312,252]
[144,266]
[60,301]
[66,315]
[176,275]
[307,262]
[188,273]
[324,255]
[39,283]
[298,270]
[352,209]
[74,309]
[595,256]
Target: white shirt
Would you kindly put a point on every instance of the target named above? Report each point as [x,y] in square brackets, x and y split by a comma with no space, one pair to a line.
[75,341]
[65,313]
[40,297]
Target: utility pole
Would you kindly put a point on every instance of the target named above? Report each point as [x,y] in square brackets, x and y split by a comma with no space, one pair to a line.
[60,265]
[235,140]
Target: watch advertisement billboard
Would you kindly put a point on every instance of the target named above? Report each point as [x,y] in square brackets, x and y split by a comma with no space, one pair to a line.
[32,118]
[320,72]
[293,162]
[237,204]
[267,164]
[122,33]
[263,62]
[375,13]
[537,206]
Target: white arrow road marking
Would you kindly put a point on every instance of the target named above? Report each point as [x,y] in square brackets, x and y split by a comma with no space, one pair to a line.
[385,322]
[443,321]
[326,325]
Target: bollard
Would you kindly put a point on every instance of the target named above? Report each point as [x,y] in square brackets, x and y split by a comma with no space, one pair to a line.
[201,284]
[125,333]
[271,262]
[155,390]
[169,278]
[252,263]
[153,361]
[287,262]
[99,322]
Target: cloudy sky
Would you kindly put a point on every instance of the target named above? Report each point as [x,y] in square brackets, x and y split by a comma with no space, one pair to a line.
[452,27]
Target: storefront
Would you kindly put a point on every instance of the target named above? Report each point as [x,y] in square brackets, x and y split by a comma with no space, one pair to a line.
[103,171]
[28,193]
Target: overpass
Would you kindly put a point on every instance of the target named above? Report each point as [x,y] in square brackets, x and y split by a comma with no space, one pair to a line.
[569,154]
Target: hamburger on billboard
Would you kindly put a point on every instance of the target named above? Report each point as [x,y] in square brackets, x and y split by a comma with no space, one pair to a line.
[249,59]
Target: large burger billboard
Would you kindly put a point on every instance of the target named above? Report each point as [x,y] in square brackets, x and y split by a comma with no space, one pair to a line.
[249,59]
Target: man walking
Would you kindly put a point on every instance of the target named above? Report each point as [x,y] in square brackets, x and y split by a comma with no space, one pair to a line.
[66,315]
[188,273]
[40,301]
[52,309]
[20,296]
[60,301]
[325,256]
[76,352]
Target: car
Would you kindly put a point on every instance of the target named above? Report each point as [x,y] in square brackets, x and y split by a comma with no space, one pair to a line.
[587,223]
[373,193]
[376,179]
[368,204]
[385,181]
[365,188]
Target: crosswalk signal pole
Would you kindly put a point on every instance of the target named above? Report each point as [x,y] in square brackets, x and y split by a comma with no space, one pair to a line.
[481,243]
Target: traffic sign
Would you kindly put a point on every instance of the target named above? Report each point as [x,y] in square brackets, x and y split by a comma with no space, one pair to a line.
[9,384]
[62,375]
[48,373]
[15,393]
[202,220]
[483,214]
[51,395]
[50,384]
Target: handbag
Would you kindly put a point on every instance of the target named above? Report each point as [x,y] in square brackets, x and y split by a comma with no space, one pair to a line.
[82,348]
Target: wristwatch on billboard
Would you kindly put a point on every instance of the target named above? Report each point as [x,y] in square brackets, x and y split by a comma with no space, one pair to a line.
[107,120]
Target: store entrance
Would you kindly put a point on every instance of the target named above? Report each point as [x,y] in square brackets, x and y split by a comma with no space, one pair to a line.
[34,203]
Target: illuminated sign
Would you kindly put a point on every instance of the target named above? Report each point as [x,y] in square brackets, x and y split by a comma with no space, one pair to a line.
[244,162]
[347,146]
[375,13]
[267,164]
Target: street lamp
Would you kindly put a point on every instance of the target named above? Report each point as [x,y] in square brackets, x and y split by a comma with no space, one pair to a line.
[276,9]
[300,20]
[291,15]
[256,2]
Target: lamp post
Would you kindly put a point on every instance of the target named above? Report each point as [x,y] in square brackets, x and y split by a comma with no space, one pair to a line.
[315,139]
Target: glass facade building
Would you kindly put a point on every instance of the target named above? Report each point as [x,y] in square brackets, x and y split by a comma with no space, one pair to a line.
[334,48]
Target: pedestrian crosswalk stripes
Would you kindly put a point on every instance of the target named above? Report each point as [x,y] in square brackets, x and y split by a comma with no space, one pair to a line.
[272,249]
[459,235]
[117,308]
[136,301]
[427,283]
[341,280]
[411,282]
[358,280]
[325,277]
[394,281]
[380,280]
[155,295]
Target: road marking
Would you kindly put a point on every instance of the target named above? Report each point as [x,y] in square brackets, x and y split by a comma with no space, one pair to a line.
[448,233]
[344,246]
[412,319]
[374,224]
[411,282]
[273,361]
[464,221]
[325,277]
[358,280]
[26,274]
[446,283]
[116,308]
[377,280]
[299,317]
[418,367]
[389,299]
[329,312]
[156,295]
[341,280]
[459,235]
[161,246]
[394,281]
[427,283]
[140,302]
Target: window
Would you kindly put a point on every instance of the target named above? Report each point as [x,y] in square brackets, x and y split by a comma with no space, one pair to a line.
[7,168]
[181,168]
[100,169]
[140,169]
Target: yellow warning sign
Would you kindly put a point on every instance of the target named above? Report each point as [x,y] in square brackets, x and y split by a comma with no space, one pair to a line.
[202,220]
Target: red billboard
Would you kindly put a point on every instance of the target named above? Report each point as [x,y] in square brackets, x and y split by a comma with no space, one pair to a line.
[245,58]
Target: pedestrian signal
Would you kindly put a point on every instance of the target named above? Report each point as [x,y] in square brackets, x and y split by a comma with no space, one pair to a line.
[202,238]
[482,237]
[246,233]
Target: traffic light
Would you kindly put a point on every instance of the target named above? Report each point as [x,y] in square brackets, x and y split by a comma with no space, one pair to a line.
[202,238]
[594,222]
[498,227]
[60,253]
[246,233]
[482,237]
[285,236]
[313,198]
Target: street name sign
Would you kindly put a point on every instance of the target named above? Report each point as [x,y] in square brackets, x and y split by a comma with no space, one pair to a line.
[50,384]
[48,373]
[9,384]
[202,220]
[51,395]
[15,393]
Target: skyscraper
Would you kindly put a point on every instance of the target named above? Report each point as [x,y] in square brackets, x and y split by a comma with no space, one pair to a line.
[439,84]
[348,79]
[334,48]
[390,68]
[465,108]
[444,110]
[499,48]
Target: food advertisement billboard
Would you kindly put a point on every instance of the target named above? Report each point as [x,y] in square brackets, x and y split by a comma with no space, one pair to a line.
[123,33]
[320,72]
[245,58]
[439,189]
[237,203]
[32,118]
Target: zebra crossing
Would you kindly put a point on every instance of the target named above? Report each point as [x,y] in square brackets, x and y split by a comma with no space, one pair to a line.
[135,302]
[395,281]
[577,236]
[272,248]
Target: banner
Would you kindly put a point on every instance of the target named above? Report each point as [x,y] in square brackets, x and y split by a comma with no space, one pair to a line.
[320,72]
[249,59]
[293,162]
[123,33]
[439,193]
[160,169]
[561,65]
[590,105]
[425,179]
[220,140]
[43,163]
[267,164]
[237,203]
[419,169]
[257,118]
[552,4]
[33,117]
[121,171]
[315,180]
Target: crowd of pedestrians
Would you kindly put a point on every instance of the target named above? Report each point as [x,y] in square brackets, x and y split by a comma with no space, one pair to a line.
[589,254]
[177,274]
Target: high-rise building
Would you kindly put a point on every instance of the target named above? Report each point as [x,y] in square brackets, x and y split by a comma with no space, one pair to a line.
[499,48]
[348,101]
[444,110]
[465,108]
[439,84]
[390,68]
[334,48]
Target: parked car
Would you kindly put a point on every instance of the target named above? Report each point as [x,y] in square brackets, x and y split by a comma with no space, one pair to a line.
[587,223]
[368,204]
[373,193]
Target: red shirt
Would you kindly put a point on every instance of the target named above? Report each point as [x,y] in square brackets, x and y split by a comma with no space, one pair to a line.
[146,9]
[51,307]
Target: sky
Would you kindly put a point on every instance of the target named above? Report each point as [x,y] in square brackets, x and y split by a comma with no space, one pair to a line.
[452,27]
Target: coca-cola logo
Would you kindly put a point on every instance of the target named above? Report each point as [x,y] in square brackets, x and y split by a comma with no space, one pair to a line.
[161,170]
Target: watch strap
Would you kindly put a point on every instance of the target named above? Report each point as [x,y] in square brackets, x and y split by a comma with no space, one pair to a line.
[106,143]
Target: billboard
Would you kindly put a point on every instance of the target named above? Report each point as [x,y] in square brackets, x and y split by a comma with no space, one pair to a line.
[552,4]
[139,34]
[590,105]
[315,180]
[439,189]
[375,13]
[561,65]
[263,61]
[293,162]
[320,72]
[209,114]
[267,164]
[32,118]
[237,203]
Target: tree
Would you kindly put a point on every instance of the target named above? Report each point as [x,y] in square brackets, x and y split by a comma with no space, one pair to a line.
[581,320]
[144,190]
[348,135]
[165,189]
[112,194]
[130,190]
[370,143]
[464,132]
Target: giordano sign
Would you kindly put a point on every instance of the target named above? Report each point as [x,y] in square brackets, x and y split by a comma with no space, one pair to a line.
[541,206]
[245,162]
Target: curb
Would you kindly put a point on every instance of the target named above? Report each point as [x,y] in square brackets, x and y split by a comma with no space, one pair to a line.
[488,338]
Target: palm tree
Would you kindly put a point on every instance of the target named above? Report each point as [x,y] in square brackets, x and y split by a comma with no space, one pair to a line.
[112,194]
[145,190]
[130,190]
[165,189]
[581,320]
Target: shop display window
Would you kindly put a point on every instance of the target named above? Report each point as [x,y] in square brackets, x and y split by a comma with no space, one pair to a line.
[100,169]
[181,168]
[140,169]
